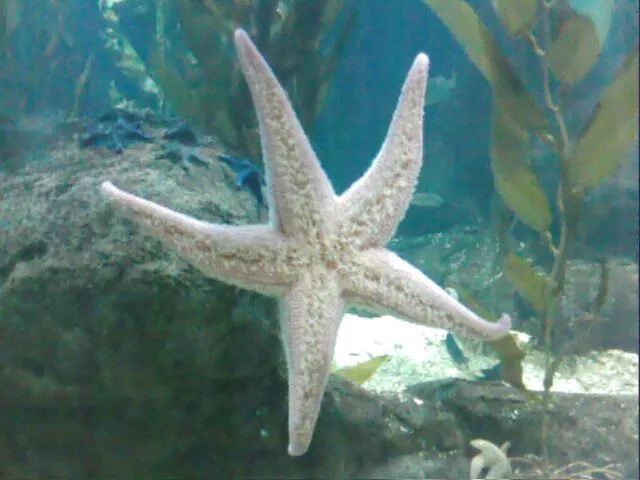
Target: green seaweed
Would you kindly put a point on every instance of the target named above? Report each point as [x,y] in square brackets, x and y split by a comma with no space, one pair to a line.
[35,46]
[509,351]
[303,42]
[191,60]
[603,145]
[518,16]
[567,44]
[363,371]
[530,283]
[516,115]
[575,49]
[513,175]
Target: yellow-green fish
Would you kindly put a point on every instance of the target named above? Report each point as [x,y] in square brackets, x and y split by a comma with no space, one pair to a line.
[361,372]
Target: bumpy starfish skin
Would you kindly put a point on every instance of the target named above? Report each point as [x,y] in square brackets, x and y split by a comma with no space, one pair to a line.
[319,252]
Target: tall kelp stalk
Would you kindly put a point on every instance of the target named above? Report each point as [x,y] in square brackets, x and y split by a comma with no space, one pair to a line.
[567,39]
[191,59]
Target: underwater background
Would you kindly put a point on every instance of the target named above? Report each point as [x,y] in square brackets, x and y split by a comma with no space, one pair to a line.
[120,360]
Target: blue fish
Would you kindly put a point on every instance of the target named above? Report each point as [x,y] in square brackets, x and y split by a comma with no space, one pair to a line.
[454,350]
[491,374]
[246,175]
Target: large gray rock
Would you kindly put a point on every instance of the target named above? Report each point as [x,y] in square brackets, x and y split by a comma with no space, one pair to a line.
[101,324]
[118,360]
[616,326]
[609,226]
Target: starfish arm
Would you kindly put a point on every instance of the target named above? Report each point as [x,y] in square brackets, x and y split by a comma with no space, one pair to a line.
[373,206]
[299,191]
[252,257]
[310,316]
[382,281]
[492,457]
[476,466]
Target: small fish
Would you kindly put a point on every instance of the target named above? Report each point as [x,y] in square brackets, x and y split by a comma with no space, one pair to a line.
[489,374]
[454,350]
[427,199]
[21,136]
[361,372]
[246,175]
[440,89]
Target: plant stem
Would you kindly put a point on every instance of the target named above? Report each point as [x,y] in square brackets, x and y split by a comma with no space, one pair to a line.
[566,204]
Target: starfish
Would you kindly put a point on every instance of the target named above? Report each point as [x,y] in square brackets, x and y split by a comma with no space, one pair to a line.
[319,252]
[183,155]
[115,130]
[492,458]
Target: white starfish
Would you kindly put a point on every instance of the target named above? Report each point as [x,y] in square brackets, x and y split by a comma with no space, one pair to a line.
[492,458]
[320,252]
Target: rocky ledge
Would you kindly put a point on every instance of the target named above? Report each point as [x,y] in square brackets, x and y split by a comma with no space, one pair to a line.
[118,360]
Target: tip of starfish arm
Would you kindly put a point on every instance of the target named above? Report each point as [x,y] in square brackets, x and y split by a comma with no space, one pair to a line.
[108,188]
[503,326]
[297,448]
[300,435]
[422,59]
[240,35]
[245,47]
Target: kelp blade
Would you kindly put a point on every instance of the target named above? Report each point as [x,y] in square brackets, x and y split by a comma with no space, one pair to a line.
[361,372]
[609,137]
[514,178]
[575,50]
[518,16]
[507,347]
[469,31]
[531,284]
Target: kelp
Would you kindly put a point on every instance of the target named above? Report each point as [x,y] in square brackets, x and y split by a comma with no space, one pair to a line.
[611,132]
[575,50]
[508,349]
[516,115]
[567,38]
[530,283]
[363,371]
[10,19]
[36,45]
[518,17]
[302,40]
[513,175]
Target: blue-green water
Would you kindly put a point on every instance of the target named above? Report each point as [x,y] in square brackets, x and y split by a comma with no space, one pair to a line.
[121,357]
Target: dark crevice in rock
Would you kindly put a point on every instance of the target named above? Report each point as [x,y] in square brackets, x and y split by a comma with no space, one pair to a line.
[36,249]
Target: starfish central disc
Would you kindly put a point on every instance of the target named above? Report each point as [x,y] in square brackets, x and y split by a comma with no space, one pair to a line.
[319,252]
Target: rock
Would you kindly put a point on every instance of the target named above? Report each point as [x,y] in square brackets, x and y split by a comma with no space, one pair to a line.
[609,227]
[103,329]
[118,360]
[617,324]
[576,329]
[421,373]
[418,354]
[597,429]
